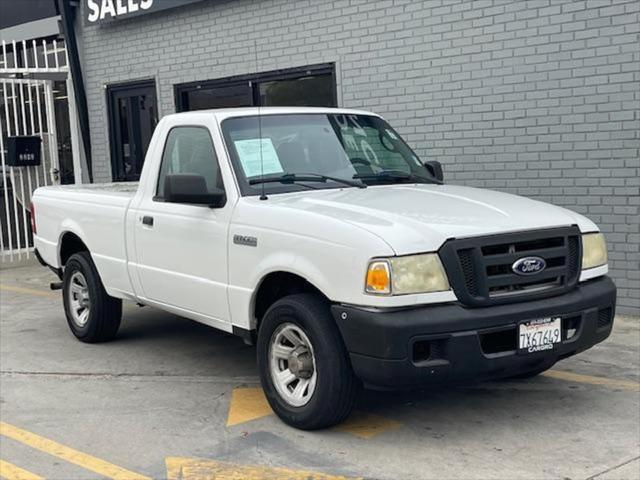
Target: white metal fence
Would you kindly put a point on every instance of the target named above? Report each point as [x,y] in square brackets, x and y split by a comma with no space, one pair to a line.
[28,57]
[27,109]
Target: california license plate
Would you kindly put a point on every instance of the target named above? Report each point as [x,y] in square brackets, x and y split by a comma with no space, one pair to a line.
[539,335]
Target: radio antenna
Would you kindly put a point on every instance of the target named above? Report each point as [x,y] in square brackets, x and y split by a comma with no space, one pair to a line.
[263,195]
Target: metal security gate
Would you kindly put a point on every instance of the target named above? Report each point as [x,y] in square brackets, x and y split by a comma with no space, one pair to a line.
[27,109]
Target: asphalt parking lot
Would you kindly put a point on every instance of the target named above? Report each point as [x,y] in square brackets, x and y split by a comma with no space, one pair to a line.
[170,398]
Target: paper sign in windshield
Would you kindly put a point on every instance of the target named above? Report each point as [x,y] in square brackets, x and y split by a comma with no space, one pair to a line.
[256,163]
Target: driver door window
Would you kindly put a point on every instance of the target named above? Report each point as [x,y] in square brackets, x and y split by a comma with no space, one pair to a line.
[190,150]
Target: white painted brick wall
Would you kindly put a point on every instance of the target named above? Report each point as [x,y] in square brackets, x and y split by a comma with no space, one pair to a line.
[539,98]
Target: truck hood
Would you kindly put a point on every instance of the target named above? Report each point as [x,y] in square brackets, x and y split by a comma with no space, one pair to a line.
[420,218]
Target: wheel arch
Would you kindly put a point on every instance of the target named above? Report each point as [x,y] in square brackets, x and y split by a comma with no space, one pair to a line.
[275,285]
[69,244]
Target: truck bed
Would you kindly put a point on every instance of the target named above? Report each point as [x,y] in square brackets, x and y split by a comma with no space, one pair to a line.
[120,190]
[96,214]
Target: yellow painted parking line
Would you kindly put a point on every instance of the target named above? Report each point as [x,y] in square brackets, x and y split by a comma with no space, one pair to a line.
[9,471]
[27,291]
[68,454]
[367,425]
[179,468]
[604,381]
[249,404]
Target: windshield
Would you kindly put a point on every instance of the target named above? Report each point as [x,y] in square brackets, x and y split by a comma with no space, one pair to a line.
[345,147]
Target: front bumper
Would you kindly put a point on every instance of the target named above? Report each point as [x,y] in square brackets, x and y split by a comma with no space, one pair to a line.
[452,344]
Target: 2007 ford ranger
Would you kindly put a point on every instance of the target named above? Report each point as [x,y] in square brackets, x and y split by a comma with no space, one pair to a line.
[320,235]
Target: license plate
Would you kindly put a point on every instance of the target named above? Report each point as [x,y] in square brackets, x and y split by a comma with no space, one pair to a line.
[539,335]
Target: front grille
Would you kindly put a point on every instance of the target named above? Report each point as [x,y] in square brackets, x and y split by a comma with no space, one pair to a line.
[574,256]
[470,276]
[480,269]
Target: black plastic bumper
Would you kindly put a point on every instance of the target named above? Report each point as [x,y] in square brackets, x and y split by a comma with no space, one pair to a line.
[449,343]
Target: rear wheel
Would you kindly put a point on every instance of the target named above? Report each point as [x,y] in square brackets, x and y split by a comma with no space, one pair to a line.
[304,366]
[92,315]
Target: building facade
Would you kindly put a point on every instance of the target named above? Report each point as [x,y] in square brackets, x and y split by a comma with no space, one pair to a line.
[537,98]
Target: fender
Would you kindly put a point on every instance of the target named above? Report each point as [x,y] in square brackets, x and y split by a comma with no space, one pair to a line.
[295,264]
[100,261]
[242,299]
[70,226]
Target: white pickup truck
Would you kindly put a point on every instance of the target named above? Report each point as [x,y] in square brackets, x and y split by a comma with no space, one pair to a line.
[320,235]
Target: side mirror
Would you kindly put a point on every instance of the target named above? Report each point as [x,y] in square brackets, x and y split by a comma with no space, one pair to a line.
[192,189]
[435,169]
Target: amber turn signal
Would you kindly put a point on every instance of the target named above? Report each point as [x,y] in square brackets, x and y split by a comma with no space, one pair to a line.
[378,278]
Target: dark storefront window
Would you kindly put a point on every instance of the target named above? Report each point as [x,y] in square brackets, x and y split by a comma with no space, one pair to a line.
[223,96]
[133,116]
[308,91]
[311,86]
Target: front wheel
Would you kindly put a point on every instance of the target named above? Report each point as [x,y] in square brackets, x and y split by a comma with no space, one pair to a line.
[304,366]
[93,316]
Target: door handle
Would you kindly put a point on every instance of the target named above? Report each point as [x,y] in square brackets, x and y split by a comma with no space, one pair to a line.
[147,220]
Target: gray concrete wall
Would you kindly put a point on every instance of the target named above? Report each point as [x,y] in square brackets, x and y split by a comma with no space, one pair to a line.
[538,98]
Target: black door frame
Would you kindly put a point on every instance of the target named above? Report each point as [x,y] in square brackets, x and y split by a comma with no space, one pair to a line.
[114,91]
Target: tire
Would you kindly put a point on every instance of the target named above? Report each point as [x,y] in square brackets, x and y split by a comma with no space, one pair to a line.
[332,397]
[82,286]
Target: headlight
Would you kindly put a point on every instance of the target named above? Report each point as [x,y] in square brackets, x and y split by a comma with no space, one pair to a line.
[594,250]
[404,275]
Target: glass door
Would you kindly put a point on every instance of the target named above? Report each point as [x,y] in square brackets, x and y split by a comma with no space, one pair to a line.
[133,116]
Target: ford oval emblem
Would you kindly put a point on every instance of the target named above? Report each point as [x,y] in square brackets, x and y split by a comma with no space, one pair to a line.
[529,265]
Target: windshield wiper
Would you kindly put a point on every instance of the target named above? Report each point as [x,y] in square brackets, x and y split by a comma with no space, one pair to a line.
[305,177]
[394,175]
